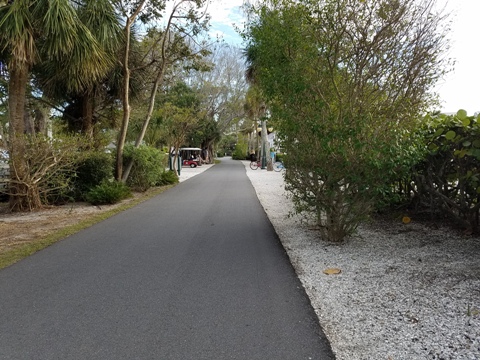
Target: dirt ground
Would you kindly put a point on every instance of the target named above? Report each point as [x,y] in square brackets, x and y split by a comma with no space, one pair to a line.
[20,228]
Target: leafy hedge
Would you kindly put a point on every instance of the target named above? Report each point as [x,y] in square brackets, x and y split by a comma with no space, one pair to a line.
[448,179]
[108,193]
[444,179]
[148,167]
[93,169]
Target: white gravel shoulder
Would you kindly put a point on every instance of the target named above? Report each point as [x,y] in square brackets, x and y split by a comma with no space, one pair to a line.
[404,291]
[187,172]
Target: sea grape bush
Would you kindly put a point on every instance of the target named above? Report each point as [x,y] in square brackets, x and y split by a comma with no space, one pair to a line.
[448,178]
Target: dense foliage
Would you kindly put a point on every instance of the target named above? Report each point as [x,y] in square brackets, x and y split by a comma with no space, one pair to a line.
[108,192]
[445,180]
[93,169]
[148,167]
[240,152]
[168,178]
[345,83]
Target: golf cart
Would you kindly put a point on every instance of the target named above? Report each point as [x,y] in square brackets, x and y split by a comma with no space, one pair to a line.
[191,157]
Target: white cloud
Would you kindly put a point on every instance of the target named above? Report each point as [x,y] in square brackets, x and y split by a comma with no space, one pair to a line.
[224,11]
[459,90]
[225,16]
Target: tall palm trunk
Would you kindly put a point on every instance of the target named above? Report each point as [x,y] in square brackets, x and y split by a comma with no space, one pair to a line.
[87,113]
[22,197]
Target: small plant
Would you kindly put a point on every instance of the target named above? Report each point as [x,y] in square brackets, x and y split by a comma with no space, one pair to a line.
[93,169]
[108,193]
[168,178]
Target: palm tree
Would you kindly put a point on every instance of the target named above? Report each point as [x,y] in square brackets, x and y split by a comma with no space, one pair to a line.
[42,32]
[103,22]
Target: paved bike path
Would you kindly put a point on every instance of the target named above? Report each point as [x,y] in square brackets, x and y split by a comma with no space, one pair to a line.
[194,273]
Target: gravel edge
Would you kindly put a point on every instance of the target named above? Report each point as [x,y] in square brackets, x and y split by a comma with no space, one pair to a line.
[404,291]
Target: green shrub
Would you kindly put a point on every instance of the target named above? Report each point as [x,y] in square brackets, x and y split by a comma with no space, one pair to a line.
[51,167]
[148,166]
[279,157]
[108,193]
[93,170]
[240,152]
[168,178]
[447,181]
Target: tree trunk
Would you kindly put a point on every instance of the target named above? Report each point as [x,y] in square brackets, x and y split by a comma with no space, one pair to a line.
[151,106]
[22,196]
[266,159]
[41,120]
[87,113]
[126,92]
[3,142]
[28,120]
[126,106]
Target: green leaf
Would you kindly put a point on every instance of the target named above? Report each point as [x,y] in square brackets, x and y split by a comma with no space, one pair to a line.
[461,114]
[467,143]
[450,135]
[478,190]
[466,122]
[460,153]
[438,132]
[476,143]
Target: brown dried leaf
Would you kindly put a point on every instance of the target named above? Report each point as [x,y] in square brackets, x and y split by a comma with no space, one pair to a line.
[332,271]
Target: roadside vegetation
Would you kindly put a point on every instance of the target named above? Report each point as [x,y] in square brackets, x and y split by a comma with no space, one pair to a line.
[348,86]
[96,95]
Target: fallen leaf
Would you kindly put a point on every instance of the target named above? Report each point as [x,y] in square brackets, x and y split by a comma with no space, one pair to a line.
[332,271]
[406,220]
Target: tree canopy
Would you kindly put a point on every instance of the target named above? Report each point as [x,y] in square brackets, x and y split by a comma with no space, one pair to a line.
[345,81]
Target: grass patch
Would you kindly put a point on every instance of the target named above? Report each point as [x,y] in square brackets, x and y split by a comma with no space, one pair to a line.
[20,252]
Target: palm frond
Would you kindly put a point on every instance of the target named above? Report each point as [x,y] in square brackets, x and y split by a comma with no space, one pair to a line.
[17,32]
[104,22]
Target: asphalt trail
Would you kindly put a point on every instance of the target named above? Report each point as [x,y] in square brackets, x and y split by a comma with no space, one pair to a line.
[194,273]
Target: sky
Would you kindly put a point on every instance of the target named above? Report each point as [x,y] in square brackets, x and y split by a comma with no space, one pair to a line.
[459,90]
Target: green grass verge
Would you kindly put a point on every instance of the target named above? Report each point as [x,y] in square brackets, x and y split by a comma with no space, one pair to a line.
[16,254]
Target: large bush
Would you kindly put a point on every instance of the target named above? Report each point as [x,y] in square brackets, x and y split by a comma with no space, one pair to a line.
[148,166]
[343,87]
[50,167]
[93,169]
[447,181]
